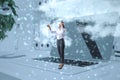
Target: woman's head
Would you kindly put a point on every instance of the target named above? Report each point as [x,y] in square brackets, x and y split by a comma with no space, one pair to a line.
[62,24]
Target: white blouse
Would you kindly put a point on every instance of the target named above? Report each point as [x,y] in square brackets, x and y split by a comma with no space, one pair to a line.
[59,33]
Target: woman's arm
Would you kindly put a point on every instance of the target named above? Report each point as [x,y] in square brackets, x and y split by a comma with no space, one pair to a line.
[50,29]
[53,31]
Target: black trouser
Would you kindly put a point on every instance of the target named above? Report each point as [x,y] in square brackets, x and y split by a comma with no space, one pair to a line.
[60,47]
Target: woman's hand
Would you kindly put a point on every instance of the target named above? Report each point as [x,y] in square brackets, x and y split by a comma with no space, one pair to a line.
[49,27]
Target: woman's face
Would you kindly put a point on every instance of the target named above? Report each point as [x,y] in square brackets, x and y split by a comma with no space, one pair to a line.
[59,25]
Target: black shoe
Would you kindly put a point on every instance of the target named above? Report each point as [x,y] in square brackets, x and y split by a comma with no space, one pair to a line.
[60,66]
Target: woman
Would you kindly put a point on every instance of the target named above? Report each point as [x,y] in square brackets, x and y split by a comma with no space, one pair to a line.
[60,42]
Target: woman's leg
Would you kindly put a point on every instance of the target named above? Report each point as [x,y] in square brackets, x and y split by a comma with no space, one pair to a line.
[58,47]
[62,46]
